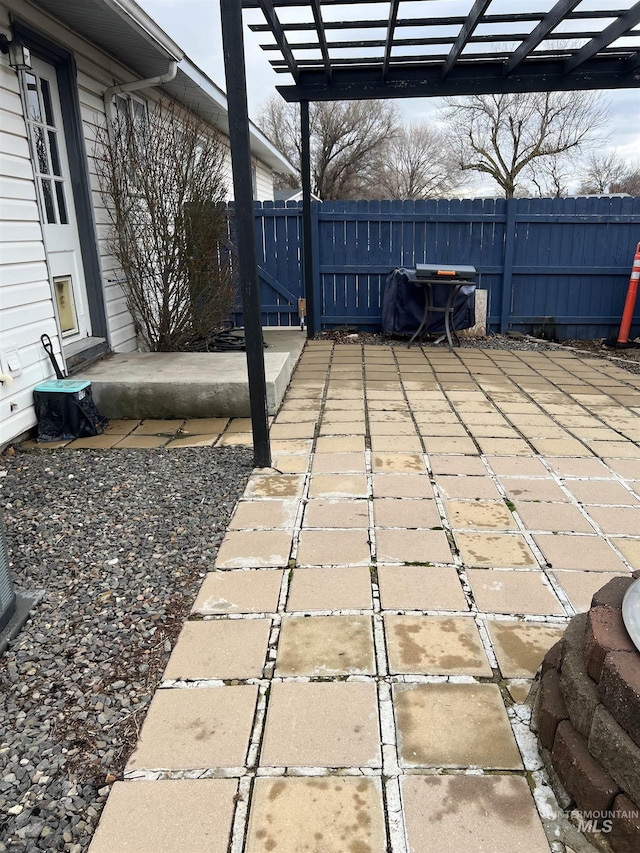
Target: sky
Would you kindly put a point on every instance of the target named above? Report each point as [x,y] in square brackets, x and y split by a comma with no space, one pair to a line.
[195,26]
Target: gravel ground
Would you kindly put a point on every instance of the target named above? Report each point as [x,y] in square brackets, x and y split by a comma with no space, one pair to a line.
[119,541]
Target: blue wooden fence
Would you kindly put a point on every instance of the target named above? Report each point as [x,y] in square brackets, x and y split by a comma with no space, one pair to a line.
[559,263]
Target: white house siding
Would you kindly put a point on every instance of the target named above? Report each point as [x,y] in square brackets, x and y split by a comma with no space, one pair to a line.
[26,304]
[264,181]
[26,308]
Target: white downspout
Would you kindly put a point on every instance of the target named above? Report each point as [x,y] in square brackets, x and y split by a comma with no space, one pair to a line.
[134,85]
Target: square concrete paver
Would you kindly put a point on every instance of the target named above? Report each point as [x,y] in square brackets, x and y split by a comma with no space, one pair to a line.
[625,519]
[520,646]
[420,588]
[224,648]
[534,489]
[340,444]
[473,488]
[264,515]
[495,550]
[398,463]
[163,816]
[552,517]
[320,512]
[338,486]
[323,814]
[412,546]
[95,442]
[437,444]
[306,429]
[325,645]
[401,486]
[238,592]
[195,729]
[630,548]
[291,464]
[560,447]
[292,446]
[517,466]
[159,427]
[139,442]
[121,426]
[628,469]
[475,814]
[454,725]
[274,486]
[471,466]
[246,549]
[330,589]
[602,492]
[193,441]
[236,439]
[322,724]
[394,512]
[584,553]
[435,645]
[504,446]
[580,587]
[396,444]
[334,548]
[204,426]
[482,515]
[524,593]
[338,463]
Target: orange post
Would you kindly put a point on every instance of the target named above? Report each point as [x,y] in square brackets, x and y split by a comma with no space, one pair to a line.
[630,302]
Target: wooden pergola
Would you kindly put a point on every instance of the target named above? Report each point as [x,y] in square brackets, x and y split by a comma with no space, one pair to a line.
[411,49]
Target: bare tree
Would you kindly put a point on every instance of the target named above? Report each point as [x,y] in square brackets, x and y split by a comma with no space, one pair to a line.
[418,163]
[550,176]
[510,136]
[162,182]
[347,140]
[608,173]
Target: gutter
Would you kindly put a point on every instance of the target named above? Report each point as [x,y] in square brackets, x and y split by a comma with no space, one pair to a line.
[134,85]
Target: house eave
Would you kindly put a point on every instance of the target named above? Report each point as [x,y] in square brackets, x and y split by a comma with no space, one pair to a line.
[123,30]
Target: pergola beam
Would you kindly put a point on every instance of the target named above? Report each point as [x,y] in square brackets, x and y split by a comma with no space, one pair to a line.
[466,31]
[426,41]
[551,20]
[471,78]
[451,20]
[322,38]
[269,12]
[616,29]
[391,28]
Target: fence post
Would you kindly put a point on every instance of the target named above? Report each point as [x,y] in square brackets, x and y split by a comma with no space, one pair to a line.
[317,286]
[307,236]
[507,264]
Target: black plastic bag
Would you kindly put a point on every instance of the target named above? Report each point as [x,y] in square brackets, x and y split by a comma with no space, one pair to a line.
[63,416]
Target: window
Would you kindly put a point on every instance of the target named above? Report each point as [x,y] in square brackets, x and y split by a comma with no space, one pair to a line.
[45,147]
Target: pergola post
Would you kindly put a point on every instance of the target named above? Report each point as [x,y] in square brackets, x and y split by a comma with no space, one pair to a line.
[234,66]
[307,235]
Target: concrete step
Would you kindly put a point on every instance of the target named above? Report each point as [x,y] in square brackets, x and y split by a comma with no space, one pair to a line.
[190,385]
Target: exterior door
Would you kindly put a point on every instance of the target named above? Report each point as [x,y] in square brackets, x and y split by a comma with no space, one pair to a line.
[43,116]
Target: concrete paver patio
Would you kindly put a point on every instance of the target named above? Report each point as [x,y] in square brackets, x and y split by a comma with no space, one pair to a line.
[353,676]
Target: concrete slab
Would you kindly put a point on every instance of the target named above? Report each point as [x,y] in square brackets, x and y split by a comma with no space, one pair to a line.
[190,385]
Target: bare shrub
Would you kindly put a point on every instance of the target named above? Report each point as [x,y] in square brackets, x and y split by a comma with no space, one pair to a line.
[162,181]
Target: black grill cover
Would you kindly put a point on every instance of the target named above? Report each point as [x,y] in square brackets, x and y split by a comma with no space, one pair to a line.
[403,305]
